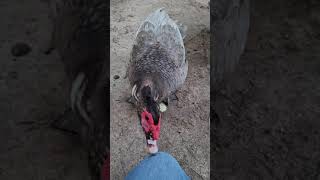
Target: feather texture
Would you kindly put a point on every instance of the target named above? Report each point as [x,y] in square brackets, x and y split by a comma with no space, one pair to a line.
[158,55]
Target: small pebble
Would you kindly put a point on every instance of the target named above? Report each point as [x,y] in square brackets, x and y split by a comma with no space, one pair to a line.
[20,49]
[116,77]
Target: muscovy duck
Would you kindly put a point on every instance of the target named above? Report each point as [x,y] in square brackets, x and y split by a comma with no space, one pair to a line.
[157,68]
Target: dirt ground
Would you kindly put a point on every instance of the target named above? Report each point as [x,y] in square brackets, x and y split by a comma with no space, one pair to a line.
[185,127]
[33,93]
[268,124]
[268,116]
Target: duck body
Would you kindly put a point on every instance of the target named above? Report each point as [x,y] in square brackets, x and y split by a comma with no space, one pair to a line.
[157,69]
[158,56]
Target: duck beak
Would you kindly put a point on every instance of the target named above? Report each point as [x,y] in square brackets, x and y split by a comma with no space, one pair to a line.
[152,146]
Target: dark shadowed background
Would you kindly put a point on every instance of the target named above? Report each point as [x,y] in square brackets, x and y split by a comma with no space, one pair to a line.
[266,114]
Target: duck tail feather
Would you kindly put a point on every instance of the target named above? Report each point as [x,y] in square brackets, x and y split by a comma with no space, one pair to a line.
[182,28]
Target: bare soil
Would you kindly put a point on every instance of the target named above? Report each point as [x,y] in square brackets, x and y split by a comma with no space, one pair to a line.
[267,123]
[33,93]
[185,127]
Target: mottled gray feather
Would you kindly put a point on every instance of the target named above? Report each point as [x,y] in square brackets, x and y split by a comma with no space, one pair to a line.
[158,54]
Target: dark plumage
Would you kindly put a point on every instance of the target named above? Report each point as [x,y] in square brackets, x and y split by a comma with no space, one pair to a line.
[150,103]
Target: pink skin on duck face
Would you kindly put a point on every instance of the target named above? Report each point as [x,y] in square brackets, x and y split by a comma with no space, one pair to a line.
[151,130]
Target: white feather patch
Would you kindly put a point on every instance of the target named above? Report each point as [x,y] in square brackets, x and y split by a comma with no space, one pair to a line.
[162,107]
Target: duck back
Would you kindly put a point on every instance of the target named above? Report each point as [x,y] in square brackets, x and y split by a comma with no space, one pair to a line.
[158,53]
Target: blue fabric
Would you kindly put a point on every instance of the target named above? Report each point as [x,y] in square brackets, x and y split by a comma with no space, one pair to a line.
[160,166]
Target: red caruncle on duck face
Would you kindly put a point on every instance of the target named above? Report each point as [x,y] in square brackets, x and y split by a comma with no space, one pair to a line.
[151,129]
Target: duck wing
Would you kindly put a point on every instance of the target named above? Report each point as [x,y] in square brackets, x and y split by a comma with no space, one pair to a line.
[159,28]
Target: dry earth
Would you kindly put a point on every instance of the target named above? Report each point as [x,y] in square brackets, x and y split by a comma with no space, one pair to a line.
[268,125]
[33,93]
[185,128]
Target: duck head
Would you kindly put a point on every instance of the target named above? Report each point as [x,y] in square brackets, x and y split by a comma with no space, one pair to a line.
[149,115]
